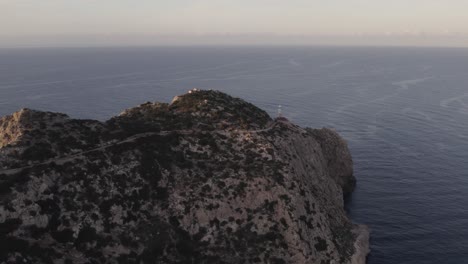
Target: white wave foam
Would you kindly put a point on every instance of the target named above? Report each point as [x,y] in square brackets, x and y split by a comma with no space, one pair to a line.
[457,99]
[333,64]
[405,84]
[413,112]
[294,63]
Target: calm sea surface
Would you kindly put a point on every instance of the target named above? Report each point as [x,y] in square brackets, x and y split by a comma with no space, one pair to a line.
[404,112]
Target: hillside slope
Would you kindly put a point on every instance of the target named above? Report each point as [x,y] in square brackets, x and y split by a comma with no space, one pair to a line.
[207,178]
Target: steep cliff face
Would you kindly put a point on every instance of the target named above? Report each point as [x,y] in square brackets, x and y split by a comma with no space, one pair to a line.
[337,156]
[205,179]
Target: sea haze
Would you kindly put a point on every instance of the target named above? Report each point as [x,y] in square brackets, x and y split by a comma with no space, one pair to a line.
[404,112]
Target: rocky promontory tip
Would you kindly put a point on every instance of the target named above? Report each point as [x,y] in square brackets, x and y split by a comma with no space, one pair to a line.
[207,178]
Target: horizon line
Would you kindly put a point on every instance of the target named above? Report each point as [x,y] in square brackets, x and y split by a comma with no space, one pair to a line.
[236,45]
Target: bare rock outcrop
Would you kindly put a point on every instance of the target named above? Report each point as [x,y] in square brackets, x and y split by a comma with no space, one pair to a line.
[205,179]
[337,157]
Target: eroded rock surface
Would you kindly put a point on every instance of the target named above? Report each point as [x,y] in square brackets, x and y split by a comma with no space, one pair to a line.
[205,179]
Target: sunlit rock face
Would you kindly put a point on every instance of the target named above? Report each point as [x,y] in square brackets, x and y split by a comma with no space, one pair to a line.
[207,178]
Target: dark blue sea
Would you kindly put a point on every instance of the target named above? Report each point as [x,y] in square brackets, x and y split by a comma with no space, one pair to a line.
[404,112]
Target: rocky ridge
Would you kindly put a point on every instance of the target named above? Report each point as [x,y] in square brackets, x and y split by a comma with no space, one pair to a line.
[207,178]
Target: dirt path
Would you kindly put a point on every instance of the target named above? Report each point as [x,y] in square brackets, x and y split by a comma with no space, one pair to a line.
[62,160]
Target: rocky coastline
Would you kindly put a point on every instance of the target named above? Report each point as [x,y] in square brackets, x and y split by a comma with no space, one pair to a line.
[207,178]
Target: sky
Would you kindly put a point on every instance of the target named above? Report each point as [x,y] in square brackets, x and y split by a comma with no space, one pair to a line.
[186,22]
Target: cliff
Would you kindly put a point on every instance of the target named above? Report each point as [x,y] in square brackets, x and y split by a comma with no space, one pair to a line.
[205,179]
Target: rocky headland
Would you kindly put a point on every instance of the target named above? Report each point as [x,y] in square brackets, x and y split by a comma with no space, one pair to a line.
[207,178]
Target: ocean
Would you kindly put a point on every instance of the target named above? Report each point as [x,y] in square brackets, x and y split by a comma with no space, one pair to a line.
[403,111]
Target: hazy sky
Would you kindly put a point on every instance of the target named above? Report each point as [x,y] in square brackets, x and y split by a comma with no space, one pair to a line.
[186,21]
